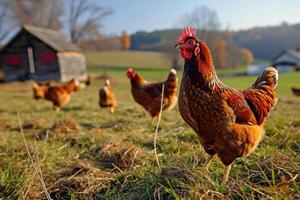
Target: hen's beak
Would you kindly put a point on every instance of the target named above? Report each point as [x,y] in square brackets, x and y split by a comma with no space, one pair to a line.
[179,45]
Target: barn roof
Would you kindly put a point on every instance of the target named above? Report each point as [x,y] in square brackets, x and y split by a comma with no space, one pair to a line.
[295,53]
[53,38]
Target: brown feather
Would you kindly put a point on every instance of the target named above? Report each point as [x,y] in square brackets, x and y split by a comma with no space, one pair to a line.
[107,98]
[148,95]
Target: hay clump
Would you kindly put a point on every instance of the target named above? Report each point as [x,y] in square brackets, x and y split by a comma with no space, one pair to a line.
[34,124]
[80,179]
[120,155]
[60,129]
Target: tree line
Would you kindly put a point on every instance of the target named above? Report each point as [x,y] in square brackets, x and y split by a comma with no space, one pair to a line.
[80,19]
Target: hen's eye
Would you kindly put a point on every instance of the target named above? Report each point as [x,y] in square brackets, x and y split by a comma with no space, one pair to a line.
[190,42]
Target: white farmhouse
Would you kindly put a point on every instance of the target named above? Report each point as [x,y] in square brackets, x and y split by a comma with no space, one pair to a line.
[287,60]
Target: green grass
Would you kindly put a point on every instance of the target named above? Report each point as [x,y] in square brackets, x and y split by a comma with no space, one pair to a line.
[76,154]
[140,59]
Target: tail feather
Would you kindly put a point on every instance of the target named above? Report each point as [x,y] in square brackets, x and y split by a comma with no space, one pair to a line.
[172,76]
[269,78]
[173,71]
[171,83]
[261,97]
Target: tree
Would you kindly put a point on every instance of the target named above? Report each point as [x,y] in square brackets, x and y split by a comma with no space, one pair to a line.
[221,54]
[41,13]
[5,23]
[205,20]
[208,26]
[226,53]
[85,19]
[125,41]
[247,56]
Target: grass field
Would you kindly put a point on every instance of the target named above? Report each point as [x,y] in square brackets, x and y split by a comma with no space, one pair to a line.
[85,152]
[145,60]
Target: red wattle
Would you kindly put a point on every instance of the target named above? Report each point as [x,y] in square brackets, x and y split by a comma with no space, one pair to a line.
[186,54]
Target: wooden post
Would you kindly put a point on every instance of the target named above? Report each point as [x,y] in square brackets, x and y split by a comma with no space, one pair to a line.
[31,60]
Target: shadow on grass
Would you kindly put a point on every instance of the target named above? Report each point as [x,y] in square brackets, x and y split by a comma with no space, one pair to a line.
[74,108]
[88,126]
[118,123]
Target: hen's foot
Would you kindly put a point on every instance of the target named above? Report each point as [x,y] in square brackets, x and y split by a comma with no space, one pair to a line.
[226,174]
[112,109]
[207,162]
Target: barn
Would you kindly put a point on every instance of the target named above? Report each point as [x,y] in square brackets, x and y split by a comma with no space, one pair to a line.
[41,54]
[287,60]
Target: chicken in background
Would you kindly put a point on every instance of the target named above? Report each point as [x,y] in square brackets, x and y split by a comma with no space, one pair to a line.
[149,94]
[106,97]
[58,95]
[296,91]
[39,89]
[228,122]
[89,80]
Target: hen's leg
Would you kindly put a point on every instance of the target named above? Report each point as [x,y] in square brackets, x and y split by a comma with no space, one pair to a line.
[226,174]
[153,119]
[56,108]
[208,160]
[112,109]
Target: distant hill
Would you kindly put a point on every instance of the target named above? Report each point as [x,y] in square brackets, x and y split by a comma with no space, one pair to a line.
[267,42]
[151,40]
[264,42]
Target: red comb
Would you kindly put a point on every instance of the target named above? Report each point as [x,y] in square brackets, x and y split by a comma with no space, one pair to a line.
[187,32]
[129,70]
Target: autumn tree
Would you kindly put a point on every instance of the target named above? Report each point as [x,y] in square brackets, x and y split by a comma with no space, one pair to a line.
[125,41]
[221,53]
[247,56]
[41,13]
[85,19]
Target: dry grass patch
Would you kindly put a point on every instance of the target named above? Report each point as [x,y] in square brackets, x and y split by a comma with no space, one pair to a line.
[120,155]
[82,179]
[60,129]
[3,125]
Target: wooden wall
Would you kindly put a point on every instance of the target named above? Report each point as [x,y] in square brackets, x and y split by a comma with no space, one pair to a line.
[18,49]
[72,65]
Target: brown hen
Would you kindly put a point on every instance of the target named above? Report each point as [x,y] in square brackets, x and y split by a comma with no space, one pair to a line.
[89,80]
[58,95]
[149,95]
[296,91]
[106,97]
[228,122]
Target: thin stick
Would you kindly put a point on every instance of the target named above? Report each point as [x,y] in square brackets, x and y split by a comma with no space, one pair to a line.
[32,162]
[158,122]
[39,169]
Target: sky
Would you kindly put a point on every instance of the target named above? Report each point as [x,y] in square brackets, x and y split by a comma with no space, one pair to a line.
[149,15]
